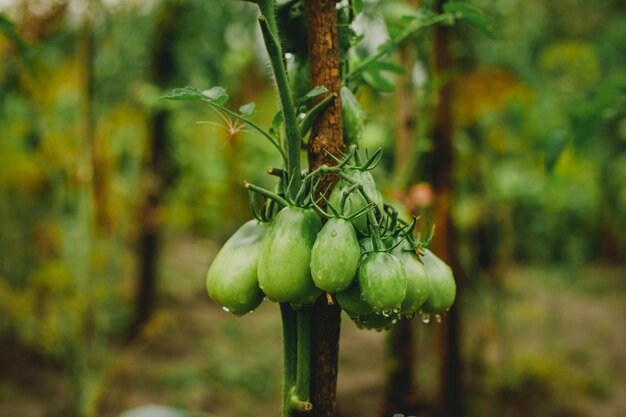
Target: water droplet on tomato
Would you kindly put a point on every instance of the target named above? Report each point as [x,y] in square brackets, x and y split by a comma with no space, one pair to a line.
[386,313]
[425,318]
[226,309]
[438,318]
[410,316]
[394,321]
[396,310]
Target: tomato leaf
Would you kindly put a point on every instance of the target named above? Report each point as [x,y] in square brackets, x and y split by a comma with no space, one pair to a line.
[216,95]
[277,122]
[472,15]
[314,92]
[247,110]
[357,6]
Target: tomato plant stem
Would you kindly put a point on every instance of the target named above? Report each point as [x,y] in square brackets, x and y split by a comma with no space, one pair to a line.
[304,353]
[289,355]
[293,137]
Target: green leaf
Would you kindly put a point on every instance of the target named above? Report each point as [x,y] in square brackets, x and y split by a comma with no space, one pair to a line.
[152,410]
[248,110]
[378,82]
[471,15]
[555,149]
[7,28]
[387,66]
[216,95]
[184,93]
[277,122]
[314,92]
[357,6]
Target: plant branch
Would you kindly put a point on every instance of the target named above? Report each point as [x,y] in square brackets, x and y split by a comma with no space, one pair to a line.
[392,44]
[293,139]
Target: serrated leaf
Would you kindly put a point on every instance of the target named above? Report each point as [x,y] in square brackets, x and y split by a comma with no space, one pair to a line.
[184,93]
[216,95]
[314,92]
[152,410]
[472,16]
[248,110]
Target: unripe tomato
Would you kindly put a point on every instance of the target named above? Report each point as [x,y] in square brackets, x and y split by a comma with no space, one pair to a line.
[442,286]
[335,256]
[383,281]
[232,278]
[376,322]
[355,200]
[284,265]
[351,301]
[353,117]
[417,279]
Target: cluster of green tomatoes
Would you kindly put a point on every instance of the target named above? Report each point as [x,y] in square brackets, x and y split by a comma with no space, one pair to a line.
[365,257]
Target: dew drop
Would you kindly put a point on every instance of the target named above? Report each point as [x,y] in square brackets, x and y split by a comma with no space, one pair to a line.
[410,316]
[438,318]
[425,318]
[386,313]
[394,321]
[396,310]
[226,309]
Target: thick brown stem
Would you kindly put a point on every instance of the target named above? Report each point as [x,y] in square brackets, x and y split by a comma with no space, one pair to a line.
[326,137]
[327,132]
[450,389]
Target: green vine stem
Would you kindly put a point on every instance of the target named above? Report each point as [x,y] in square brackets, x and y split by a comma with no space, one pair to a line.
[303,374]
[267,194]
[290,360]
[293,139]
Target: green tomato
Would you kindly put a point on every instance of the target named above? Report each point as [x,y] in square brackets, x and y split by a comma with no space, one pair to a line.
[351,301]
[383,281]
[355,200]
[335,256]
[284,265]
[376,322]
[442,286]
[417,279]
[353,117]
[232,278]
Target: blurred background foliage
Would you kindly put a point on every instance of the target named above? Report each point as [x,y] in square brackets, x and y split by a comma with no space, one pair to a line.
[87,173]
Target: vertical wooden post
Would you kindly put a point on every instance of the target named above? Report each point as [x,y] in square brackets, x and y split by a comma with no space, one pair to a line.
[326,137]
